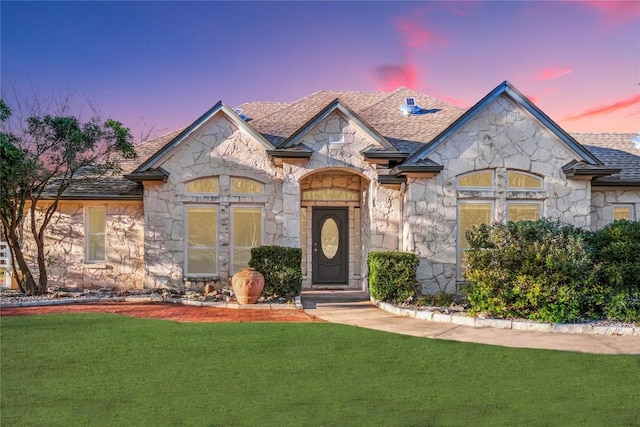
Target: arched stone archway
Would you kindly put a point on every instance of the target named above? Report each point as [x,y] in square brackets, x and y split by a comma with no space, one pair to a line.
[333,228]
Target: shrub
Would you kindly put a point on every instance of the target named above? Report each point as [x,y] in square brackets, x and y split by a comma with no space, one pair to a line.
[281,268]
[392,276]
[538,270]
[617,249]
[623,306]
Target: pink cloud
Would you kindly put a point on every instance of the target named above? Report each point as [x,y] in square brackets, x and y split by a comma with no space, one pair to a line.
[533,98]
[606,109]
[414,35]
[388,77]
[453,101]
[552,73]
[616,12]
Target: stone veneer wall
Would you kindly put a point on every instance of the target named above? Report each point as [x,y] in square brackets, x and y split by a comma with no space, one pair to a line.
[602,202]
[219,149]
[380,207]
[65,246]
[501,137]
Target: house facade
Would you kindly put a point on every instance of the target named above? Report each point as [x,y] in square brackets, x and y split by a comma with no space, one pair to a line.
[338,174]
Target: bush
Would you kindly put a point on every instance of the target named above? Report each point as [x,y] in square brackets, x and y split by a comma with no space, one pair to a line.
[392,276]
[538,270]
[281,268]
[617,249]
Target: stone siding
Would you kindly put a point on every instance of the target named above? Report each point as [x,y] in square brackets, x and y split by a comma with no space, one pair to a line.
[603,201]
[337,165]
[217,149]
[502,137]
[65,247]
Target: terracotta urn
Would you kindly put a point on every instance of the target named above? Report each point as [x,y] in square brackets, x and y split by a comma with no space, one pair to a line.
[247,284]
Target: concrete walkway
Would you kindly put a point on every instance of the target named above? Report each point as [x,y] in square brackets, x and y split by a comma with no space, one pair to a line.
[354,308]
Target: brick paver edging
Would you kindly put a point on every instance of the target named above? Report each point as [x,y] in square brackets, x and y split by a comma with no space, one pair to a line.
[522,325]
[184,301]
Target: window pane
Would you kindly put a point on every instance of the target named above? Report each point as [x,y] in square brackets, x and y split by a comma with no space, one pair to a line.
[241,259]
[331,194]
[522,180]
[201,261]
[207,185]
[622,212]
[201,226]
[246,186]
[477,180]
[523,211]
[471,214]
[247,227]
[97,247]
[97,220]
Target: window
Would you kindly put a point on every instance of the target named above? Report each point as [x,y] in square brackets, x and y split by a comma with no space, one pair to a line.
[470,214]
[522,181]
[331,194]
[202,240]
[246,186]
[623,212]
[247,226]
[96,243]
[203,186]
[471,180]
[523,211]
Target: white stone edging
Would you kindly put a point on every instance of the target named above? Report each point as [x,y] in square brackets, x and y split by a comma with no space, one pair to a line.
[520,325]
[184,301]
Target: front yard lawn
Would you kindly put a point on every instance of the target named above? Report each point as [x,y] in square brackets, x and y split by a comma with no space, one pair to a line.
[100,369]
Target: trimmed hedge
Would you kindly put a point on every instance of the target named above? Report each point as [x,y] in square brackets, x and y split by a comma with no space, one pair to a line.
[546,271]
[281,268]
[392,276]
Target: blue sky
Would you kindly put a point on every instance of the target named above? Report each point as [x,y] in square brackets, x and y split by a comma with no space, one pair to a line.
[165,63]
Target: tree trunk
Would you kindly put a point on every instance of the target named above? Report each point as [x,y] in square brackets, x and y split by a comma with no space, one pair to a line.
[29,283]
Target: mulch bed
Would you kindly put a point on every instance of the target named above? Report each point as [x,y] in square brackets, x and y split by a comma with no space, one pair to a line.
[167,311]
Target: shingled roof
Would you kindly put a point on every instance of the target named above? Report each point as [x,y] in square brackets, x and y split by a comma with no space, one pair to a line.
[279,121]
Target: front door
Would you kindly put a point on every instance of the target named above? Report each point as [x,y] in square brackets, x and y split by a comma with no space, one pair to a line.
[330,242]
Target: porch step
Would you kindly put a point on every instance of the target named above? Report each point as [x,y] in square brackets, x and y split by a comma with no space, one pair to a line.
[312,298]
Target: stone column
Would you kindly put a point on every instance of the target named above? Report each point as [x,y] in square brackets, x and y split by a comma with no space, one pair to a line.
[291,208]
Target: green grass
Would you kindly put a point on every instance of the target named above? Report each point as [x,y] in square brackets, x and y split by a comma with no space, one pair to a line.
[95,370]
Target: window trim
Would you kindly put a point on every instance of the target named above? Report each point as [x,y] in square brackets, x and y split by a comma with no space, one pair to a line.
[623,205]
[232,245]
[186,272]
[87,234]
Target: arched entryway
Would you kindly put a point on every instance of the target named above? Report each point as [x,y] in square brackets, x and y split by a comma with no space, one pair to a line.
[333,228]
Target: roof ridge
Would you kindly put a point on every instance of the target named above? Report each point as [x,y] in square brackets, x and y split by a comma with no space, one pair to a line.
[390,94]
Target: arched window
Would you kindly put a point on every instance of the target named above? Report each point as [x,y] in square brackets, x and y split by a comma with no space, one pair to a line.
[203,186]
[476,180]
[523,181]
[246,186]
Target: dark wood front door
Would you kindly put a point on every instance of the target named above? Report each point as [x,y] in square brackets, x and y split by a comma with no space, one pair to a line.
[330,242]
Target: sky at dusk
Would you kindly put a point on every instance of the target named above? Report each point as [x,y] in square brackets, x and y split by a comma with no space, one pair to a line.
[161,65]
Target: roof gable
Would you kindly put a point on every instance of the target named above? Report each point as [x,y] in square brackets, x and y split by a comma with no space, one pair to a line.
[507,89]
[335,106]
[219,108]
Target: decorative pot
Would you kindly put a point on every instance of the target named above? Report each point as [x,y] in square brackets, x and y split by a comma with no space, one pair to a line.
[247,285]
